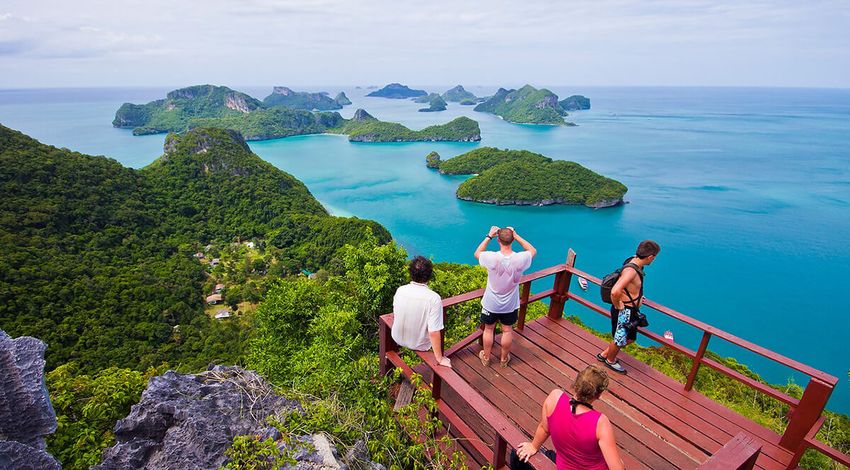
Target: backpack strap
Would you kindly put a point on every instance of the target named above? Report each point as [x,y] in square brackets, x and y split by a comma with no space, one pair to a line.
[639,271]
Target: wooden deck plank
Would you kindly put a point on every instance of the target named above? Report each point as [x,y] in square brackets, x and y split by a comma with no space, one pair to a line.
[466,363]
[772,456]
[566,367]
[521,386]
[657,424]
[642,397]
[681,452]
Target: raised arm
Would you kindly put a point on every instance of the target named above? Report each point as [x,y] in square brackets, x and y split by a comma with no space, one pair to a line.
[524,243]
[526,449]
[605,434]
[483,245]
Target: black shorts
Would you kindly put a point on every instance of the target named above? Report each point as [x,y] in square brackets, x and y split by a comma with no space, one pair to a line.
[507,319]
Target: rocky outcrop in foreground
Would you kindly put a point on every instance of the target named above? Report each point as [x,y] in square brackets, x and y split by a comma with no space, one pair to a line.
[26,415]
[188,422]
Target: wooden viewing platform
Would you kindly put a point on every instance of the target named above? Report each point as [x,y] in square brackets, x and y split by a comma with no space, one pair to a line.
[659,423]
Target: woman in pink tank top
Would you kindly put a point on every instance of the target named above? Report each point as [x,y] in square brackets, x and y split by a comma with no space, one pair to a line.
[583,437]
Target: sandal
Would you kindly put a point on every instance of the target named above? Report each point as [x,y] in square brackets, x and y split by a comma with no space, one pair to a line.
[600,357]
[505,363]
[484,361]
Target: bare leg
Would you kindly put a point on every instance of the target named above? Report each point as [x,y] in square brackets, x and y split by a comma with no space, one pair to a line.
[507,340]
[611,352]
[488,339]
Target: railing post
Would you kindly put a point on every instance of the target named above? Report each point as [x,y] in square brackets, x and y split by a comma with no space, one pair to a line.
[436,390]
[385,345]
[703,345]
[499,451]
[562,287]
[523,305]
[806,414]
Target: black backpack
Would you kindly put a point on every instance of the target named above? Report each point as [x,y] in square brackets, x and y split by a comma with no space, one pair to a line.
[609,280]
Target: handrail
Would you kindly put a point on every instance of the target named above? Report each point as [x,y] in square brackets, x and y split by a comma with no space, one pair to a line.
[762,351]
[805,412]
[506,431]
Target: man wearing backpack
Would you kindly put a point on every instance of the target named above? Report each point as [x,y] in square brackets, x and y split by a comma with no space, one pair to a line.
[626,299]
[501,296]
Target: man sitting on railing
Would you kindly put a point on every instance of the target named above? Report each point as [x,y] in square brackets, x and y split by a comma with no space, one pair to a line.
[419,312]
[501,297]
[626,299]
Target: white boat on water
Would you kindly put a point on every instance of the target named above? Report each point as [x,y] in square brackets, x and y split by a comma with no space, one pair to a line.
[582,282]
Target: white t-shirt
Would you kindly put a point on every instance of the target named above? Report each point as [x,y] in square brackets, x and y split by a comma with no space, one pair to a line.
[503,275]
[418,310]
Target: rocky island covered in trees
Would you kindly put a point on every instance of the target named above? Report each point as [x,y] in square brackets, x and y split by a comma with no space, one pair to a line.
[520,177]
[275,117]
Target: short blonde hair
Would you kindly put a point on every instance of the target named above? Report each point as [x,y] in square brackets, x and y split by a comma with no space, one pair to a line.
[590,383]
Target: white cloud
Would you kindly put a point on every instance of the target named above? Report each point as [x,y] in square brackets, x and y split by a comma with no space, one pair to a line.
[478,41]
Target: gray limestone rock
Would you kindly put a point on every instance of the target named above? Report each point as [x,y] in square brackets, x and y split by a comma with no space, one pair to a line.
[17,456]
[187,421]
[26,415]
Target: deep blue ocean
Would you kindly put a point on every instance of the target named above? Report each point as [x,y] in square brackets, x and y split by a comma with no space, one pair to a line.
[746,189]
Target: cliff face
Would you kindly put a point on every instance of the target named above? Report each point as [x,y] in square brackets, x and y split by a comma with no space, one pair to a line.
[26,415]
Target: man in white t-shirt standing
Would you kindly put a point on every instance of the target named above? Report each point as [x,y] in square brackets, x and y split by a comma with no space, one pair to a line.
[418,312]
[501,297]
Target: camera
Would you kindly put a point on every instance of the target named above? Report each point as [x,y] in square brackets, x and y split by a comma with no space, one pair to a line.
[639,320]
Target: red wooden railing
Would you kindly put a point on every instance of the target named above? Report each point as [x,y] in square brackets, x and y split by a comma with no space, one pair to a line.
[804,420]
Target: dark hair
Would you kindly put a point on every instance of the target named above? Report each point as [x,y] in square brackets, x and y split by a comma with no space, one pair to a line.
[647,248]
[590,383]
[421,269]
[506,236]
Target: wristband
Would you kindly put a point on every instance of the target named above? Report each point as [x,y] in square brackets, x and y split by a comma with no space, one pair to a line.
[488,236]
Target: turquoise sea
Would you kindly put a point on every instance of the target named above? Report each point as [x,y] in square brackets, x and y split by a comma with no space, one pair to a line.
[746,189]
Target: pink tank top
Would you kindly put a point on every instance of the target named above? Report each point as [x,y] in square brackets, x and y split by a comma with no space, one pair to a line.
[574,437]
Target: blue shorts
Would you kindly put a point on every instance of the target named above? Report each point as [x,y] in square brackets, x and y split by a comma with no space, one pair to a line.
[619,318]
[490,318]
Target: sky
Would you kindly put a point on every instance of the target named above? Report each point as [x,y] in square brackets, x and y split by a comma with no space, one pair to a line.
[83,43]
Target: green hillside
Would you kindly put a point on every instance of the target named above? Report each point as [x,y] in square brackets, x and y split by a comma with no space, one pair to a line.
[97,258]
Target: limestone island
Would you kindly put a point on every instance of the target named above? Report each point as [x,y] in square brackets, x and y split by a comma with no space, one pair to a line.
[283,96]
[523,178]
[575,103]
[528,105]
[363,127]
[458,95]
[397,91]
[215,106]
[426,98]
[342,100]
[436,104]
